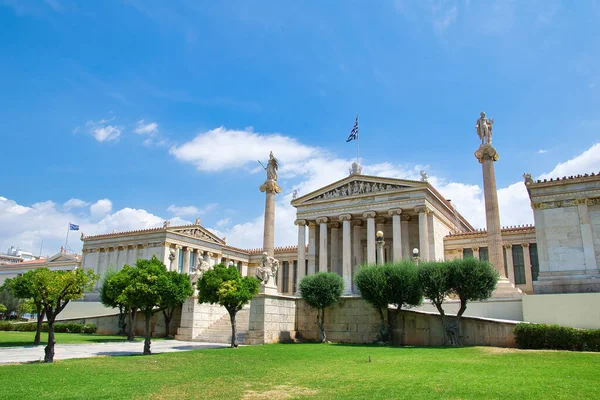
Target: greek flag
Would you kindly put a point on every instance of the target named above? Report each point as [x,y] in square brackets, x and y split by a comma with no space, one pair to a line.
[73,227]
[354,131]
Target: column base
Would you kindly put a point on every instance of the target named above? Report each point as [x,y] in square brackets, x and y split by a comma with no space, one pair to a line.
[505,289]
[580,282]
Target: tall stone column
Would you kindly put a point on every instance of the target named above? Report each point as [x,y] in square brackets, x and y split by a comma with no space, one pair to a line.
[528,273]
[487,155]
[270,188]
[423,233]
[357,249]
[370,216]
[301,251]
[176,260]
[510,268]
[346,253]
[396,234]
[406,251]
[323,243]
[334,227]
[186,260]
[312,248]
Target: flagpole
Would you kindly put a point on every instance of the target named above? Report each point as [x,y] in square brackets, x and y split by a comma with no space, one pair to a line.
[68,229]
[357,140]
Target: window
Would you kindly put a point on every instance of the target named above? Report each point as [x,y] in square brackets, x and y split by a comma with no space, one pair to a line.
[467,252]
[535,263]
[285,273]
[180,261]
[483,254]
[518,264]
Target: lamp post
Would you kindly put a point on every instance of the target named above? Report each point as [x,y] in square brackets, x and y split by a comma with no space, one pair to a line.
[380,242]
[416,257]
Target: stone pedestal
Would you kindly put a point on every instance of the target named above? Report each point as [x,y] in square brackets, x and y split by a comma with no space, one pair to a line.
[272,319]
[196,318]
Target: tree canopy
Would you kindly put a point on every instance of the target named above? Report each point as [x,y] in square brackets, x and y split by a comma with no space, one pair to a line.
[320,291]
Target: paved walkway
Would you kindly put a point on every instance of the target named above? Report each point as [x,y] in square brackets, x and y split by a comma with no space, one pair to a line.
[65,351]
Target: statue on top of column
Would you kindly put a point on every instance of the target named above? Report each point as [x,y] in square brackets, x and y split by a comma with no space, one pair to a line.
[484,129]
[272,167]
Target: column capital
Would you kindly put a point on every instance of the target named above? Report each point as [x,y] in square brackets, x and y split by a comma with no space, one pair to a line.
[334,225]
[525,245]
[395,211]
[189,249]
[460,251]
[178,247]
[405,218]
[370,214]
[422,209]
[357,222]
[345,217]
[300,222]
[475,248]
[508,246]
[322,220]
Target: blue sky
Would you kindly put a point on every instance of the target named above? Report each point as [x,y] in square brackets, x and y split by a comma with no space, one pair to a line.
[120,114]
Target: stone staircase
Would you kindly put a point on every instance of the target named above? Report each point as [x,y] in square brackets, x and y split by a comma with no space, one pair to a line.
[220,331]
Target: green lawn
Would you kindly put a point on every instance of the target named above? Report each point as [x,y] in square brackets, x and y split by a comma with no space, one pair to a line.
[313,371]
[13,339]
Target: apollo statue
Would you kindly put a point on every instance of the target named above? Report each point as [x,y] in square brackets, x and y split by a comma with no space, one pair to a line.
[484,129]
[268,268]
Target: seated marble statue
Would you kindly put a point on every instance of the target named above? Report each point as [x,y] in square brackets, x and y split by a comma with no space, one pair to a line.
[268,268]
[198,270]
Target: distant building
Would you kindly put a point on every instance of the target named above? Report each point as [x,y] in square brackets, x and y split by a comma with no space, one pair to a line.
[62,261]
[16,255]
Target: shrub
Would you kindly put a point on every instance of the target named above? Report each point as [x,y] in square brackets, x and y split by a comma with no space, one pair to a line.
[556,337]
[320,291]
[63,328]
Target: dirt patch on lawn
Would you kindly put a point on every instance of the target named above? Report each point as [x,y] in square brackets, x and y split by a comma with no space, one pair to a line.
[280,392]
[498,350]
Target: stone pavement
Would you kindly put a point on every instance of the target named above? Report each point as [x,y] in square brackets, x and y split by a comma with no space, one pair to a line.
[65,351]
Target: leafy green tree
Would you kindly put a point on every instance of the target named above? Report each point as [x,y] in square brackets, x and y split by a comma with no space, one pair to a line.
[371,281]
[113,285]
[320,291]
[142,291]
[3,308]
[21,287]
[56,289]
[8,298]
[226,286]
[469,279]
[174,289]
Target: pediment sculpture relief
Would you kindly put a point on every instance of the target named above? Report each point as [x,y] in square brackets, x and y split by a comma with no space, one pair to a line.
[357,187]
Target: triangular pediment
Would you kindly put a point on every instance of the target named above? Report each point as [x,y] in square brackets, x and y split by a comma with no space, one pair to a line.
[358,185]
[61,257]
[198,232]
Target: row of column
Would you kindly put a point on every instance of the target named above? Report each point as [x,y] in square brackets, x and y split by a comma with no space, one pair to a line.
[351,239]
[187,257]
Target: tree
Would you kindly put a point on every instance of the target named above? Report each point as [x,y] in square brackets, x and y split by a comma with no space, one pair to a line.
[142,291]
[21,287]
[3,308]
[469,279]
[320,291]
[226,286]
[113,285]
[372,284]
[8,298]
[56,289]
[174,289]
[382,285]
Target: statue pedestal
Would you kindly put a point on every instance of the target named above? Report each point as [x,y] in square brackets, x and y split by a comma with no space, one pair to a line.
[268,288]
[505,289]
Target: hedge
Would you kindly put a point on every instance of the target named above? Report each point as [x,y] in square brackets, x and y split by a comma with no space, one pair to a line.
[60,328]
[556,337]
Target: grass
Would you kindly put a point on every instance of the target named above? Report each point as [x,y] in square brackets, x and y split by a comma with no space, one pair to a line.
[16,339]
[313,371]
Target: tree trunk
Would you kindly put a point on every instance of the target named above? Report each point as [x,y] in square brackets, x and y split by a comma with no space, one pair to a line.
[147,351]
[450,327]
[49,349]
[382,329]
[131,331]
[168,315]
[234,341]
[41,313]
[392,318]
[122,324]
[321,322]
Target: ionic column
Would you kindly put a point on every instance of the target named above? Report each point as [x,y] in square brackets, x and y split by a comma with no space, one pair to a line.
[346,253]
[186,260]
[510,269]
[406,251]
[301,251]
[323,243]
[423,233]
[396,234]
[370,216]
[290,281]
[475,252]
[357,249]
[335,238]
[528,272]
[312,248]
[176,261]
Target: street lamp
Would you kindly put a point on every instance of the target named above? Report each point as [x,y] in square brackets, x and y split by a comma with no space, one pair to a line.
[416,255]
[380,243]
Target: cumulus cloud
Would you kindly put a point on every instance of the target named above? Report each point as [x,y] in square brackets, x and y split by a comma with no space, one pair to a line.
[243,148]
[223,222]
[75,203]
[586,162]
[100,208]
[191,210]
[101,130]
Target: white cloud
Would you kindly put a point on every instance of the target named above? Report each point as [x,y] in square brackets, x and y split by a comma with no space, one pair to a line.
[191,210]
[542,151]
[75,203]
[238,149]
[102,131]
[143,128]
[586,162]
[100,208]
[223,222]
